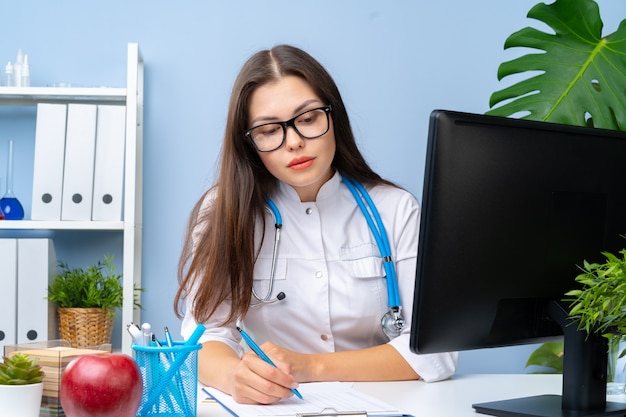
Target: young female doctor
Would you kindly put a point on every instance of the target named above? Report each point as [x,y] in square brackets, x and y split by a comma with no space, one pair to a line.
[300,244]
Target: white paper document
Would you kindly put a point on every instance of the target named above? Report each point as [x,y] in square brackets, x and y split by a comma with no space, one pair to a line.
[318,398]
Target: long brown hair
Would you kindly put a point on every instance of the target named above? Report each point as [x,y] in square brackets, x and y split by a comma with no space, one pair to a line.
[218,256]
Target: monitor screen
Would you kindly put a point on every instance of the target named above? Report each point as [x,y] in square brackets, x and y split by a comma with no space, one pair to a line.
[510,209]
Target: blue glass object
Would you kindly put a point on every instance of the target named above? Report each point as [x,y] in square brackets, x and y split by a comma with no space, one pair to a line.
[9,204]
[11,207]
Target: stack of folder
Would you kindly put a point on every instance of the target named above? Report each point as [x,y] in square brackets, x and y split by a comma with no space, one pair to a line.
[79,162]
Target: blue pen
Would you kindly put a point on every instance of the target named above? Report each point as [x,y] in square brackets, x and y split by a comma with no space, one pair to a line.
[262,354]
[168,337]
[179,381]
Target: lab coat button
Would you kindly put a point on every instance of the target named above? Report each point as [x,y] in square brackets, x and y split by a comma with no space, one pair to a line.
[324,337]
[309,210]
[319,274]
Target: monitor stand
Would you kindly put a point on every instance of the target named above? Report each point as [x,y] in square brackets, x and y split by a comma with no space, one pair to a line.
[584,379]
[544,406]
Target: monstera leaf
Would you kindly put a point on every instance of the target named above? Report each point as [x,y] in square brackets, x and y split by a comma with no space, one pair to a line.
[583,75]
[548,355]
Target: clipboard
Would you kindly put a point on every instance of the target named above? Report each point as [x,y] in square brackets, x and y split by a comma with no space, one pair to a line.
[320,399]
[333,413]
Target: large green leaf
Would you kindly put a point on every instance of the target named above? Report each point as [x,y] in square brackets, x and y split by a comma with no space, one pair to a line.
[583,76]
[549,355]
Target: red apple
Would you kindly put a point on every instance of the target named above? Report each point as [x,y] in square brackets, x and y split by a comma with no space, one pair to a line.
[107,385]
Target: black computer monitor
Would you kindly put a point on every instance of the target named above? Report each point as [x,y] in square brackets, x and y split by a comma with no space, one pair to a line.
[510,209]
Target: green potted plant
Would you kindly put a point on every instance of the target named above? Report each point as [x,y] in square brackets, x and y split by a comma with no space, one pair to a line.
[87,299]
[21,386]
[599,306]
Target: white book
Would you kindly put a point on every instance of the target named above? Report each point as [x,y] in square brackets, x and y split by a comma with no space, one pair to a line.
[48,161]
[80,144]
[8,281]
[108,181]
[36,268]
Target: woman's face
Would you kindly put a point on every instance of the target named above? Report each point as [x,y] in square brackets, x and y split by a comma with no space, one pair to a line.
[305,164]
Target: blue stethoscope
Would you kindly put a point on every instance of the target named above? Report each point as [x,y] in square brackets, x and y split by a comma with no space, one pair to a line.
[392,322]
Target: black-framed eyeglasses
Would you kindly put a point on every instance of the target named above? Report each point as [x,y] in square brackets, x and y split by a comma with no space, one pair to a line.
[310,124]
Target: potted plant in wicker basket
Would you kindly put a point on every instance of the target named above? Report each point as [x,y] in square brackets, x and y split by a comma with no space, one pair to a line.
[21,386]
[87,299]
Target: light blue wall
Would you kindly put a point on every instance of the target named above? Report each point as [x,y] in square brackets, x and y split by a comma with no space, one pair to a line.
[394,62]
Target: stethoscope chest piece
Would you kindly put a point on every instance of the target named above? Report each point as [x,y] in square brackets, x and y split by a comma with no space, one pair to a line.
[392,323]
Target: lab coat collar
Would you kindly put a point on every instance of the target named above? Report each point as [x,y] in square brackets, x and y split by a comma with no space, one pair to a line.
[328,189]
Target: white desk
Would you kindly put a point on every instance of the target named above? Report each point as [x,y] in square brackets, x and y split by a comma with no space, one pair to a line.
[449,398]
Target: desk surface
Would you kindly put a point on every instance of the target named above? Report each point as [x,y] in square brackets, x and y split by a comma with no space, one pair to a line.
[453,397]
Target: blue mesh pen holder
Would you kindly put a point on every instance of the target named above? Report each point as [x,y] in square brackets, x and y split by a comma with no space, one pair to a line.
[170,379]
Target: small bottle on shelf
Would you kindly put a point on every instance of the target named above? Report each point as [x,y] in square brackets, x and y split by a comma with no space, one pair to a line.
[9,77]
[25,72]
[17,69]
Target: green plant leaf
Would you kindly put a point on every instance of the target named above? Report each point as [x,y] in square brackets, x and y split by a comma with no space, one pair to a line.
[582,73]
[20,369]
[549,355]
[599,305]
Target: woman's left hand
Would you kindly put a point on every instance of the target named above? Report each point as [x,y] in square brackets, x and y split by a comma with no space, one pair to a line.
[300,365]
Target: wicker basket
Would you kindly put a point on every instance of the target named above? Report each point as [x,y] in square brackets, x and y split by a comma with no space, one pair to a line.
[85,327]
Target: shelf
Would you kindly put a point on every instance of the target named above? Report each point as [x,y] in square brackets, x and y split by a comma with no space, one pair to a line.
[60,225]
[130,228]
[30,96]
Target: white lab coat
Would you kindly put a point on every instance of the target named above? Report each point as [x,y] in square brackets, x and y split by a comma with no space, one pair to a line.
[329,268]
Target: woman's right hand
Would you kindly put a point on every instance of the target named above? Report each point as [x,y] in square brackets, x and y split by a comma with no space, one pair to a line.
[255,381]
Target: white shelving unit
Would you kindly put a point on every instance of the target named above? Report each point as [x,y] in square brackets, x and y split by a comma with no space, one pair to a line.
[131,226]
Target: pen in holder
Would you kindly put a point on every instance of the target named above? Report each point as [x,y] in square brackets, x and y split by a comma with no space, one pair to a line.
[170,379]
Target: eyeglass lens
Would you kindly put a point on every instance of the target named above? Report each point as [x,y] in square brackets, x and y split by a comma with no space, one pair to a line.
[309,125]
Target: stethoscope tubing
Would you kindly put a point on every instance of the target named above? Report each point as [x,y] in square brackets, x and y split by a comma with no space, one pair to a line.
[377,227]
[278,224]
[277,217]
[380,235]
